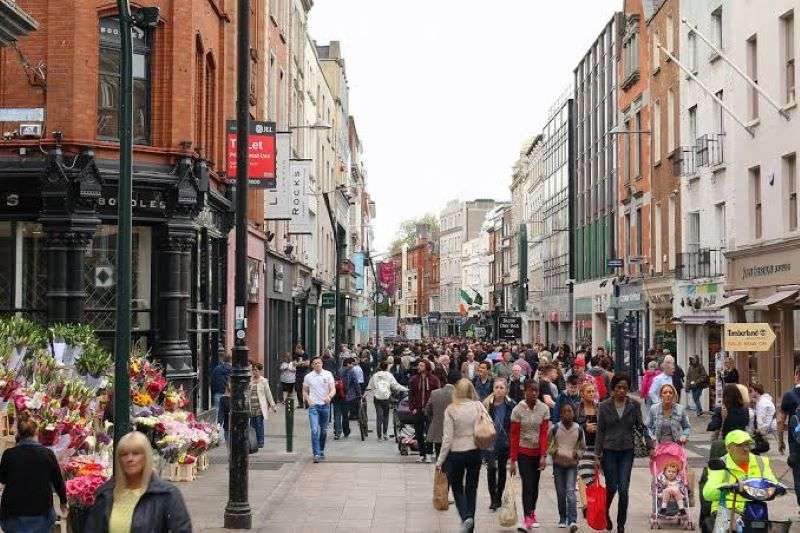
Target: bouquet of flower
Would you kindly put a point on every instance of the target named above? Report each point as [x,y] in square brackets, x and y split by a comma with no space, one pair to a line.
[174,398]
[171,447]
[82,490]
[86,465]
[94,361]
[141,398]
[22,334]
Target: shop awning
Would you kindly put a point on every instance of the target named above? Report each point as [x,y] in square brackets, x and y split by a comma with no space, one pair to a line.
[729,300]
[702,320]
[765,303]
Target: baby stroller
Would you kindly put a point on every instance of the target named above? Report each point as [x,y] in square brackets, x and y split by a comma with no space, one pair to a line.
[403,422]
[670,496]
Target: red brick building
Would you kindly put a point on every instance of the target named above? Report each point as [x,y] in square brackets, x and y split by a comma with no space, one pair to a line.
[58,188]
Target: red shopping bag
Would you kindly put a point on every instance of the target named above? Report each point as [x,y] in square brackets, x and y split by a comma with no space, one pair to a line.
[596,515]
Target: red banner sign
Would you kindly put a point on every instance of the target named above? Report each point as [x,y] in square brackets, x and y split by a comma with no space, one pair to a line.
[386,277]
[261,154]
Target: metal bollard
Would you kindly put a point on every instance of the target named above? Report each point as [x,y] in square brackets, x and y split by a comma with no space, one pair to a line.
[289,412]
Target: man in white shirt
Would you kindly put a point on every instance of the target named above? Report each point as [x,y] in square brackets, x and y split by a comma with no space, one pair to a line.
[665,378]
[318,391]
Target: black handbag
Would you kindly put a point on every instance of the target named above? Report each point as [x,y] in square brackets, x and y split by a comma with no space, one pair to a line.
[760,444]
[640,447]
[252,441]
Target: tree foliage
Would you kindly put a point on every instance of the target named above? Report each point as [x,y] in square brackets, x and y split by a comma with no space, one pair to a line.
[408,232]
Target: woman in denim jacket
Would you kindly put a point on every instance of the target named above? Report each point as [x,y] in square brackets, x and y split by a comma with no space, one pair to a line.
[667,420]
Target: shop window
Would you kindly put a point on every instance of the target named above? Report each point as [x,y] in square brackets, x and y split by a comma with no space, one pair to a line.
[109,82]
[100,279]
[23,270]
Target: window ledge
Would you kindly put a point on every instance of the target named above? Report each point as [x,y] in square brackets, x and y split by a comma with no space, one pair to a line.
[656,70]
[672,153]
[713,57]
[789,106]
[716,169]
[657,163]
[754,122]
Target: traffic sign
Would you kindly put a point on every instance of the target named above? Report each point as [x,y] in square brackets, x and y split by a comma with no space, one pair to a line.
[744,337]
[615,263]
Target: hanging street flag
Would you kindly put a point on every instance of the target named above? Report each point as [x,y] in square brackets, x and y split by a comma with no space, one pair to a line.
[466,297]
[358,263]
[386,277]
[478,298]
[276,200]
[299,191]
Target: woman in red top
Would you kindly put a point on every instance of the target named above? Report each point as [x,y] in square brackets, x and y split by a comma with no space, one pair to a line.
[419,388]
[529,427]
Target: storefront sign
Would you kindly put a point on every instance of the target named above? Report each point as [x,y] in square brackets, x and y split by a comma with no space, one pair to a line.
[697,299]
[260,154]
[768,269]
[143,203]
[630,297]
[743,337]
[299,192]
[479,331]
[660,297]
[509,327]
[328,300]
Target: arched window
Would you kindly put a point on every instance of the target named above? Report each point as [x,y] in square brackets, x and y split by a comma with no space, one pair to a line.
[108,94]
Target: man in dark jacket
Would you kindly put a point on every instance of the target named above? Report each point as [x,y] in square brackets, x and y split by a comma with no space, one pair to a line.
[352,394]
[219,378]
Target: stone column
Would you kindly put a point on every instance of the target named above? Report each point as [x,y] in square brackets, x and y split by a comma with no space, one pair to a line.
[69,196]
[175,241]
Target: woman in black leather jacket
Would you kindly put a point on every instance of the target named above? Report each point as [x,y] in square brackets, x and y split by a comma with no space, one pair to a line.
[136,500]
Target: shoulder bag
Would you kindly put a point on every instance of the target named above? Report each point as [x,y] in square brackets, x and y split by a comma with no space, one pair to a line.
[484,428]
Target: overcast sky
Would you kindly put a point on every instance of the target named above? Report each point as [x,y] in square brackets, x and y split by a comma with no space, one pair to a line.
[444,92]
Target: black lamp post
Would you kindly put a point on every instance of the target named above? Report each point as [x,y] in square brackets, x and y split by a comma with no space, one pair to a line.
[237,512]
[143,17]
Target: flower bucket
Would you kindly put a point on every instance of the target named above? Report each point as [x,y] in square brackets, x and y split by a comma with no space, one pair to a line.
[76,519]
[59,349]
[93,382]
[71,353]
[15,360]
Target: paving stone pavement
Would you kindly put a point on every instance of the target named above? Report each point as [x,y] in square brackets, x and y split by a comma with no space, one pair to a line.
[368,486]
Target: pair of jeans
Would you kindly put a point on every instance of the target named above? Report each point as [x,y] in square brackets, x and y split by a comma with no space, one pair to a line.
[257,423]
[420,426]
[29,524]
[794,450]
[318,418]
[565,479]
[496,476]
[696,394]
[463,469]
[339,415]
[215,399]
[382,417]
[528,467]
[617,466]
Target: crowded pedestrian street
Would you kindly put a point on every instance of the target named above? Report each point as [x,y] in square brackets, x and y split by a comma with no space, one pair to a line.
[367,486]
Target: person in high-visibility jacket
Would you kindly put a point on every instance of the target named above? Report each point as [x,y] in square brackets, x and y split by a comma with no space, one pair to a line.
[741,465]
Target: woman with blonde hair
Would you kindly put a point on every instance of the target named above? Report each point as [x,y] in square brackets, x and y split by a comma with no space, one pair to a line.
[136,500]
[667,420]
[460,452]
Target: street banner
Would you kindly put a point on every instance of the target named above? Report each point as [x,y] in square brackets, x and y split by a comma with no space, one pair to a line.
[299,191]
[413,332]
[277,199]
[260,154]
[387,326]
[509,327]
[744,337]
[358,263]
[386,277]
[362,324]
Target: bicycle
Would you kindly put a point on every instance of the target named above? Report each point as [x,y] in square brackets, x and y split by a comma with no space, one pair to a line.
[362,418]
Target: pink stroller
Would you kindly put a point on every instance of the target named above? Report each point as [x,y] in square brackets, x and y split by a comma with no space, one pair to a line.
[670,487]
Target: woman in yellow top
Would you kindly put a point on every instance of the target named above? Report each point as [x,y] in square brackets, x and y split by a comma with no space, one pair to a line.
[136,500]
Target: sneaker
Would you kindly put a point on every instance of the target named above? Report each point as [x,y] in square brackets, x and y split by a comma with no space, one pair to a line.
[468,525]
[562,525]
[534,522]
[316,458]
[422,459]
[573,527]
[385,437]
[336,437]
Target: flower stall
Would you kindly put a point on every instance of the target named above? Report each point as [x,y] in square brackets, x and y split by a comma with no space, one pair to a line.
[61,377]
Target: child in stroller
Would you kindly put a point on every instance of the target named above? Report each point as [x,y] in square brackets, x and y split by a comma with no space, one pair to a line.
[670,490]
[403,422]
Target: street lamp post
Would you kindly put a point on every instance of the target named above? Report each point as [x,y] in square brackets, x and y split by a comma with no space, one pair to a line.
[237,512]
[143,17]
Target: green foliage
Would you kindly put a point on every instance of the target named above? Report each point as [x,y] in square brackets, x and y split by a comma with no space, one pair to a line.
[407,233]
[75,334]
[22,332]
[94,361]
